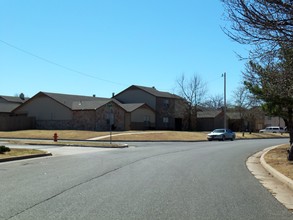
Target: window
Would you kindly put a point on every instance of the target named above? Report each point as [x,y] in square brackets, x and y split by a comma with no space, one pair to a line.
[165,120]
[166,103]
[110,118]
[147,118]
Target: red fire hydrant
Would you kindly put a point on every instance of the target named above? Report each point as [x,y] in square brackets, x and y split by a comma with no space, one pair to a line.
[55,137]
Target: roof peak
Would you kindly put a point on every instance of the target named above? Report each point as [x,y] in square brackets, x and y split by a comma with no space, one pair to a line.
[155,92]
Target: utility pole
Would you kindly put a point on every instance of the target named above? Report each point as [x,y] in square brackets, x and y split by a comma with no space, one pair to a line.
[225,104]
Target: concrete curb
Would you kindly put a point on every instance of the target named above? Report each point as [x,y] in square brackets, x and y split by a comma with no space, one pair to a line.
[282,178]
[77,145]
[25,157]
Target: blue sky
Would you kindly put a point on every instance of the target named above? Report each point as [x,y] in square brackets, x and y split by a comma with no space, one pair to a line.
[103,46]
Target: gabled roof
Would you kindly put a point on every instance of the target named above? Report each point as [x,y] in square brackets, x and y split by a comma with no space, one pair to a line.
[8,107]
[153,91]
[14,99]
[68,100]
[89,105]
[208,114]
[215,113]
[10,103]
[77,102]
[95,104]
[234,115]
[132,107]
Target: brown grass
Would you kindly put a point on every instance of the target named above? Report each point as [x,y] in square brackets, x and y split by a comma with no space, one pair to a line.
[126,135]
[277,158]
[185,136]
[66,143]
[48,134]
[20,152]
[160,136]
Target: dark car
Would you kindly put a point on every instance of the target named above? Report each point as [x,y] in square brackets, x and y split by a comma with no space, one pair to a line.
[221,135]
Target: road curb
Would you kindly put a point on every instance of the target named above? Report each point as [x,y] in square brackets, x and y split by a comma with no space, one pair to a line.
[80,145]
[24,157]
[282,178]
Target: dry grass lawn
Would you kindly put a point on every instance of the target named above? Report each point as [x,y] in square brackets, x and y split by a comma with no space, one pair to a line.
[67,143]
[126,135]
[277,158]
[20,152]
[159,136]
[48,134]
[183,136]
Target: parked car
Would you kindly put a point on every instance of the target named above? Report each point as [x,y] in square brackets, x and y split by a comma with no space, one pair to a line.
[221,135]
[273,129]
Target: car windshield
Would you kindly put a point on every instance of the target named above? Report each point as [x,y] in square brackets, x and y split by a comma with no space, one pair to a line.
[219,130]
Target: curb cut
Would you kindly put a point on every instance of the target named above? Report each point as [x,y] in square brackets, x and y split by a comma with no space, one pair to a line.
[282,178]
[24,157]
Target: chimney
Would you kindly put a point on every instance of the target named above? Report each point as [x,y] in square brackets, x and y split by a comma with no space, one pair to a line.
[21,96]
[94,95]
[113,94]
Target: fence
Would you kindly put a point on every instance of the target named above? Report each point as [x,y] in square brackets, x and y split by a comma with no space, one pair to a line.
[12,123]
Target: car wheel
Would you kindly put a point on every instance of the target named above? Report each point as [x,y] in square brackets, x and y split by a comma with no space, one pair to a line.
[223,138]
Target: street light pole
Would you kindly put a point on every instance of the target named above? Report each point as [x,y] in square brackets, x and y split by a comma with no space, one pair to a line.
[225,104]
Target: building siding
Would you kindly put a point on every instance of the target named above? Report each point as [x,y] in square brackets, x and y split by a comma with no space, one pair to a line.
[44,108]
[134,95]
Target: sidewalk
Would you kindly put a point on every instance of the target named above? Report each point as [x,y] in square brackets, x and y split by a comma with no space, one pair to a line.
[120,134]
[279,185]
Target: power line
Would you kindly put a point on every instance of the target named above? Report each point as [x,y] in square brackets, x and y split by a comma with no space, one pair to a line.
[57,64]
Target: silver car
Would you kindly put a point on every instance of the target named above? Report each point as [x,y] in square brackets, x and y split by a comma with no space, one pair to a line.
[221,135]
[272,129]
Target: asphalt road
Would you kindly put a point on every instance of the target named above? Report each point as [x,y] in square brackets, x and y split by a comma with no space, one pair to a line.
[204,180]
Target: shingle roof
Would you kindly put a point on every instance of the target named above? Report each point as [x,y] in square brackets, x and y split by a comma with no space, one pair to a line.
[233,115]
[77,102]
[153,91]
[10,103]
[89,105]
[208,114]
[72,101]
[215,113]
[131,107]
[8,107]
[15,99]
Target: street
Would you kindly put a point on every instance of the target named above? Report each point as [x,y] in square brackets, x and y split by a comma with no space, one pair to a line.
[148,180]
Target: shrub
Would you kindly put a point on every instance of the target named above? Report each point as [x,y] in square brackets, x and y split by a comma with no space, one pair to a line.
[4,149]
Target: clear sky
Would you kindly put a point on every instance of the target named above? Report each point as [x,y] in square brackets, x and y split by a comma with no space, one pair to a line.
[87,47]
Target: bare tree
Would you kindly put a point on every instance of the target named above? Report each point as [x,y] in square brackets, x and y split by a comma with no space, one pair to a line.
[243,98]
[245,103]
[266,24]
[193,91]
[214,102]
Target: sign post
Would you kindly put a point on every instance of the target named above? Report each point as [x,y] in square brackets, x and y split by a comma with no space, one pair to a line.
[111,120]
